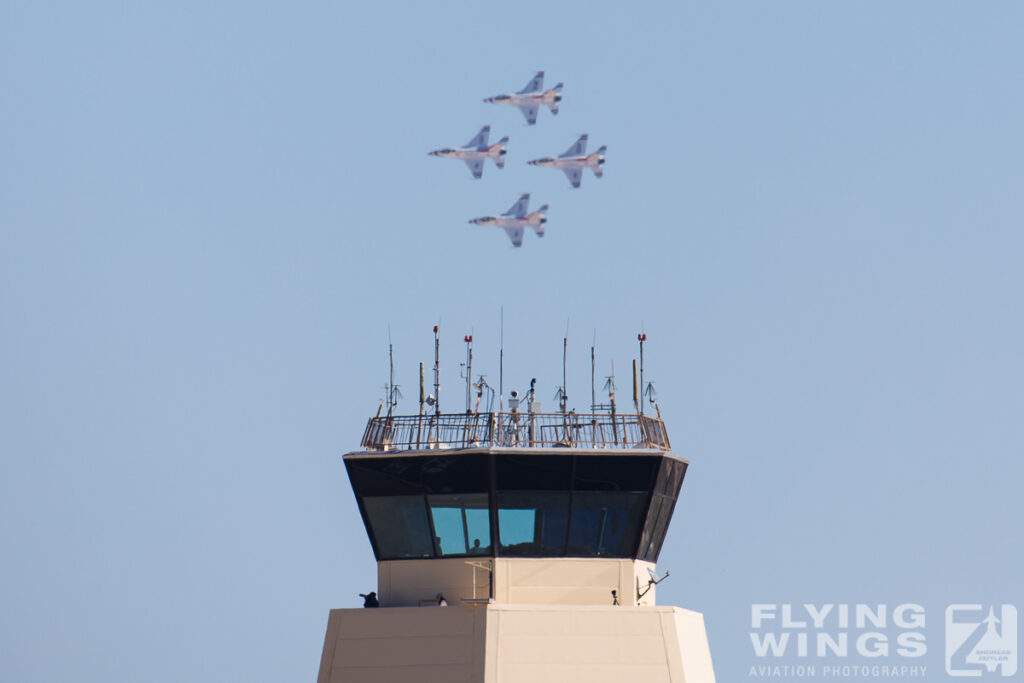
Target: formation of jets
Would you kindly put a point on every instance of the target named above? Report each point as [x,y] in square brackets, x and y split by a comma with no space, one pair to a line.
[529,100]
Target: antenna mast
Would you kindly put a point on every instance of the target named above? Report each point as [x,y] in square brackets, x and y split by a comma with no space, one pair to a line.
[593,395]
[423,398]
[641,338]
[501,362]
[391,376]
[469,369]
[564,399]
[437,373]
[636,394]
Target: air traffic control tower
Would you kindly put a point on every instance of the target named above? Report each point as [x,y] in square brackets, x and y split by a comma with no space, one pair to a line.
[516,547]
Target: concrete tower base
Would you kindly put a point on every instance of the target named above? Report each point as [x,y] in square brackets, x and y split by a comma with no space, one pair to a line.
[516,643]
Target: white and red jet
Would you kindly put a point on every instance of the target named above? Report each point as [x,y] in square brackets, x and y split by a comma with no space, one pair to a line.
[531,98]
[574,160]
[476,151]
[516,220]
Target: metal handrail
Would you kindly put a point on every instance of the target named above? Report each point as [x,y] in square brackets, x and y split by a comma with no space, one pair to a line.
[516,430]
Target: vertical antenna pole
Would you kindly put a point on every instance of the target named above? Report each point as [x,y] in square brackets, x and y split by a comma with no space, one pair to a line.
[469,369]
[437,373]
[611,399]
[501,362]
[593,395]
[641,338]
[565,394]
[423,398]
[391,378]
[635,394]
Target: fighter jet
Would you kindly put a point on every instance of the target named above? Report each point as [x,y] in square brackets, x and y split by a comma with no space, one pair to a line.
[530,98]
[575,160]
[476,151]
[515,220]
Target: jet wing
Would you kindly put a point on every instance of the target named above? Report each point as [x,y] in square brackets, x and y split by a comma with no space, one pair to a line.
[519,208]
[530,112]
[481,138]
[535,84]
[578,149]
[476,167]
[516,235]
[574,175]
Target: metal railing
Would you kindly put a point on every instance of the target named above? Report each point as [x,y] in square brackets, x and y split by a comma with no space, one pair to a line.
[523,430]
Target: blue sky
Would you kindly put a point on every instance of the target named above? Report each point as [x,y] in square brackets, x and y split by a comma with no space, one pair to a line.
[212,214]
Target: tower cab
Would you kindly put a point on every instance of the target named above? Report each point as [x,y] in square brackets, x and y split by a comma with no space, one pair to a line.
[516,546]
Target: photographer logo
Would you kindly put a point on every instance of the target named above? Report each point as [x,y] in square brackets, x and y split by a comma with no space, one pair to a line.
[981,640]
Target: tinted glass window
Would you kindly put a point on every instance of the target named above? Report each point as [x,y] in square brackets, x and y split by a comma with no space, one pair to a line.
[532,524]
[406,476]
[605,524]
[533,472]
[670,477]
[654,529]
[615,472]
[385,477]
[461,524]
[400,526]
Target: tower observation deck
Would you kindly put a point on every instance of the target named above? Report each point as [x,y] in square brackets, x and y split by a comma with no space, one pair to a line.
[516,547]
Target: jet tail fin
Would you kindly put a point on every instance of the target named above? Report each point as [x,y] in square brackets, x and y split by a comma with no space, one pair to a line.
[535,84]
[578,148]
[602,149]
[480,139]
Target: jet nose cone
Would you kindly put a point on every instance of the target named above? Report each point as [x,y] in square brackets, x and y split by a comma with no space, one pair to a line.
[600,160]
[433,154]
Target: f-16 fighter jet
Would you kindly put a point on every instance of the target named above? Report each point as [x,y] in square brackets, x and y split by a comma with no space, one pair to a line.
[476,151]
[575,160]
[515,220]
[530,98]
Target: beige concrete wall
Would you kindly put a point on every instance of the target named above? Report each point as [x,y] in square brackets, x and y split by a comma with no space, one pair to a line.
[414,644]
[517,581]
[516,644]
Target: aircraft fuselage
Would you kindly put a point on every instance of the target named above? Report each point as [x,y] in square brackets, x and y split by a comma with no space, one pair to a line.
[588,161]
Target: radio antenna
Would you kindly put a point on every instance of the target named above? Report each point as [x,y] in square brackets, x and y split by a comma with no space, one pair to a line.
[636,394]
[391,375]
[469,369]
[564,397]
[423,397]
[501,361]
[593,394]
[437,373]
[641,338]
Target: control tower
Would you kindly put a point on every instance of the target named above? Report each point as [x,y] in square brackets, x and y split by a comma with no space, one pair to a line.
[516,546]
